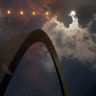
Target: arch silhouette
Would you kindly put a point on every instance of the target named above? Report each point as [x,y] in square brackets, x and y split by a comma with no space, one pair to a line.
[14,50]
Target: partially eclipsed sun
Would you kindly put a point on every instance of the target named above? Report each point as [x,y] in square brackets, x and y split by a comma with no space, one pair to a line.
[73,13]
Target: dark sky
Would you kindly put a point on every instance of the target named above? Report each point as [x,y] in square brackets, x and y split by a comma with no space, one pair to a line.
[31,76]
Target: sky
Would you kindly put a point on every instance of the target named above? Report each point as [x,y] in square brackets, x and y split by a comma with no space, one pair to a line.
[74,41]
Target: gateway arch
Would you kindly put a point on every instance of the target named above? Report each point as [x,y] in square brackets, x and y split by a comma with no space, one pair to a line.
[12,51]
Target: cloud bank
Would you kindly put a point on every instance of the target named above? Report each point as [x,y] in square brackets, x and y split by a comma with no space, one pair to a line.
[73,42]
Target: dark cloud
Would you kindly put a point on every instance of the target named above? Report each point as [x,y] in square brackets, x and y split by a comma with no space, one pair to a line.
[92,28]
[80,79]
[14,24]
[85,9]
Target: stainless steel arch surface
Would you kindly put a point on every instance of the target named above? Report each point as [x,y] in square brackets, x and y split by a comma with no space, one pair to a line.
[12,52]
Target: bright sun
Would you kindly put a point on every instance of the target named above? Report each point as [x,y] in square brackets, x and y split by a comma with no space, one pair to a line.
[73,13]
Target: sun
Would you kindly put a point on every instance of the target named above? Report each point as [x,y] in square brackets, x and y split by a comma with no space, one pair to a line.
[73,13]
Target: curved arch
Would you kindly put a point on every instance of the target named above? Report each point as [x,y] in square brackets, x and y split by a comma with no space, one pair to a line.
[35,36]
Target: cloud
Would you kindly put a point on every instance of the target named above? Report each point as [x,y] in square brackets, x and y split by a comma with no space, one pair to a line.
[73,42]
[76,48]
[92,24]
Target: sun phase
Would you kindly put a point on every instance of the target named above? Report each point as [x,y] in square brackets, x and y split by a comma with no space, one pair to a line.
[8,12]
[34,13]
[73,13]
[21,12]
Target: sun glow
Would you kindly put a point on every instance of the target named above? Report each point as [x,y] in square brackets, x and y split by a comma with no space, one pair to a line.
[8,12]
[22,12]
[47,13]
[34,13]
